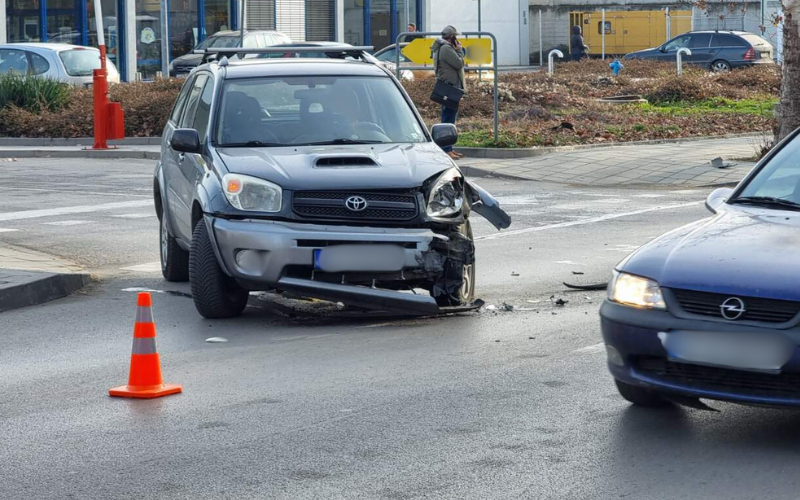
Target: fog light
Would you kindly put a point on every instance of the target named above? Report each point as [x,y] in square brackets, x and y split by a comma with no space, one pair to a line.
[249,261]
[614,357]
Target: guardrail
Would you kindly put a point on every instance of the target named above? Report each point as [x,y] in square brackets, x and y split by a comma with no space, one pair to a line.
[478,69]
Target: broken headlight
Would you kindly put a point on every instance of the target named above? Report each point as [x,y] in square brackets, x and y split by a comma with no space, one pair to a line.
[252,194]
[446,196]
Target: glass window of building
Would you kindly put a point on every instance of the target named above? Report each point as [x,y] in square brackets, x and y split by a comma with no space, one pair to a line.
[110,28]
[217,16]
[183,34]
[354,22]
[63,25]
[22,21]
[148,38]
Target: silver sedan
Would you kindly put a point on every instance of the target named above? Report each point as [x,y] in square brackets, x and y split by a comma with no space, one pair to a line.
[71,64]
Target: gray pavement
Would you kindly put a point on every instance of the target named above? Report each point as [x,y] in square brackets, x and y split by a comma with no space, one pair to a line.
[669,164]
[303,404]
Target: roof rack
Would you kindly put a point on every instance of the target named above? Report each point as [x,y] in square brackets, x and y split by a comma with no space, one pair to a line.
[362,52]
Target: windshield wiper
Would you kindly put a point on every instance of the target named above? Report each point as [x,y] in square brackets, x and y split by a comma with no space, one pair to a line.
[254,144]
[766,201]
[343,140]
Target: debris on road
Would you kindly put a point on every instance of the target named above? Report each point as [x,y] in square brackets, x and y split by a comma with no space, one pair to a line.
[507,307]
[216,340]
[559,302]
[514,274]
[720,163]
[577,272]
[596,286]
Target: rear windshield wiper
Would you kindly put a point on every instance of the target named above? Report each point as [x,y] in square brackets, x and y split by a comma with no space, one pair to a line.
[766,201]
[254,144]
[338,141]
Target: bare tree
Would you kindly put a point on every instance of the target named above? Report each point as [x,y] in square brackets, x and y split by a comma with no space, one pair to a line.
[789,114]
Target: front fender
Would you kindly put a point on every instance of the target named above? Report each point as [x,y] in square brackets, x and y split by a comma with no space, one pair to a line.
[487,206]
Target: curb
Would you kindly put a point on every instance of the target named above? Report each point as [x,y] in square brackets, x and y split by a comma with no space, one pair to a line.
[79,141]
[29,288]
[510,153]
[114,154]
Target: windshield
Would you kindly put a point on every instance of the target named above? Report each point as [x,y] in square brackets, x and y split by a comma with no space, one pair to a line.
[780,178]
[315,110]
[219,42]
[80,62]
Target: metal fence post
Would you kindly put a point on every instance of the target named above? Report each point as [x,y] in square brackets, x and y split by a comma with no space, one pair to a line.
[550,63]
[679,56]
[603,37]
[541,41]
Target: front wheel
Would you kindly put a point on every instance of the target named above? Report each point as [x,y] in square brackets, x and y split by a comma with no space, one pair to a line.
[639,395]
[215,294]
[720,66]
[463,272]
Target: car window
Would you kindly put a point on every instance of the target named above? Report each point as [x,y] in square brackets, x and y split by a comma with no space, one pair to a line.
[388,56]
[80,62]
[194,98]
[302,110]
[13,60]
[600,27]
[39,64]
[780,178]
[701,41]
[219,42]
[203,109]
[176,111]
[677,43]
[728,41]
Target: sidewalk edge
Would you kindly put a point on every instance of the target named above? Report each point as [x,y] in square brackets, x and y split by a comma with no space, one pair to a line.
[43,288]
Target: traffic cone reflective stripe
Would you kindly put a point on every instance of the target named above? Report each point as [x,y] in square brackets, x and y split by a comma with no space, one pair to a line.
[144,380]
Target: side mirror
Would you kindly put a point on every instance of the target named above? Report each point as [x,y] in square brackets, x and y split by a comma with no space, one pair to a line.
[663,48]
[717,199]
[185,140]
[444,134]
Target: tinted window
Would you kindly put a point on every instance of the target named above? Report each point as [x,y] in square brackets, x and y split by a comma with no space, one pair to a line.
[728,41]
[301,110]
[176,111]
[194,99]
[80,62]
[700,41]
[678,43]
[39,64]
[13,60]
[780,178]
[219,42]
[203,109]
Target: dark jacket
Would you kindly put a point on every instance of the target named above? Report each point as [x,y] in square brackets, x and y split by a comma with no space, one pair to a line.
[576,45]
[448,63]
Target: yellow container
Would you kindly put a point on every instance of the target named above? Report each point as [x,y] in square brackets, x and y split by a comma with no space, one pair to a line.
[629,30]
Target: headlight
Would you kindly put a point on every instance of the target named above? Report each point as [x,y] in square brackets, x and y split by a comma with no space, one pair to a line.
[446,195]
[635,291]
[252,194]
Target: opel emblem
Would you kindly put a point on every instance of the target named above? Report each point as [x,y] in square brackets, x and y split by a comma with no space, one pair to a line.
[732,309]
[356,203]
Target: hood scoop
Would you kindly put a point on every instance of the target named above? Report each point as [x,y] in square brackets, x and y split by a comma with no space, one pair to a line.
[350,161]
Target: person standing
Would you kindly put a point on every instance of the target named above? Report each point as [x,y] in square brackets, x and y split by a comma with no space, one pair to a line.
[412,28]
[448,64]
[577,48]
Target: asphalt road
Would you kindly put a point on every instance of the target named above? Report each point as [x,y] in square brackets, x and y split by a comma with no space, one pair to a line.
[301,404]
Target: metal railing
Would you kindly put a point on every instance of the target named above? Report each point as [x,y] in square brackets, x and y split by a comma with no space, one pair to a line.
[466,34]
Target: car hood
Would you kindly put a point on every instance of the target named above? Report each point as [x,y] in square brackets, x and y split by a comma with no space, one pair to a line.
[373,166]
[644,53]
[742,251]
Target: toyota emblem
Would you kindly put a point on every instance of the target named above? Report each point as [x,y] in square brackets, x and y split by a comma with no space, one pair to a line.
[732,309]
[356,203]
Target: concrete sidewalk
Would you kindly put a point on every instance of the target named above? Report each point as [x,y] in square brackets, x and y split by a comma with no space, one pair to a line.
[28,277]
[669,164]
[141,151]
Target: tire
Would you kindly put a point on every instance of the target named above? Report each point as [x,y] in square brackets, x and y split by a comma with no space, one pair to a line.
[466,293]
[720,66]
[215,294]
[640,396]
[174,259]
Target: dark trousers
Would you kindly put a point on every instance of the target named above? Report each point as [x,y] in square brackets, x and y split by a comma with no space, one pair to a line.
[449,116]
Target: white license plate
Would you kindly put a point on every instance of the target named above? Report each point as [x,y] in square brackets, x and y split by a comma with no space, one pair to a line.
[364,258]
[742,350]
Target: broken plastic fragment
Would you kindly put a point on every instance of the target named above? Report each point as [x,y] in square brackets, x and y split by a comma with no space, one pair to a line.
[216,340]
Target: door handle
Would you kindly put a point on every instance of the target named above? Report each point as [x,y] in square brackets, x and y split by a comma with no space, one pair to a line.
[181,157]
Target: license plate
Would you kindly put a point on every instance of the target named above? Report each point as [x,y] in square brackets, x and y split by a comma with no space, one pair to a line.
[742,350]
[364,258]
[765,55]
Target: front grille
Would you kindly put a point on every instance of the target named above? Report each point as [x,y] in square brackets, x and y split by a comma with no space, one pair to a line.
[756,309]
[720,379]
[390,207]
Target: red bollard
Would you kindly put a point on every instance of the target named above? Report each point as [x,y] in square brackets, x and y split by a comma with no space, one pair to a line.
[101,99]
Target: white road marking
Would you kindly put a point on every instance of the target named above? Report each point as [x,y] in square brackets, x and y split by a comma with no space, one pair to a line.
[568,262]
[613,200]
[80,209]
[650,195]
[7,230]
[584,222]
[134,216]
[138,289]
[592,349]
[150,267]
[66,223]
[74,191]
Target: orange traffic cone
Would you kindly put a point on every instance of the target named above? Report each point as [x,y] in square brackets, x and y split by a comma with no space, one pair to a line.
[145,377]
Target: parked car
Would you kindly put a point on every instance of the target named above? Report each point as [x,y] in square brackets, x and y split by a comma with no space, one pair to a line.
[183,65]
[712,309]
[316,176]
[716,50]
[388,58]
[309,55]
[71,64]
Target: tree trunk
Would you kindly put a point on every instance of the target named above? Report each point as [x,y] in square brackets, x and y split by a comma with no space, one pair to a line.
[790,83]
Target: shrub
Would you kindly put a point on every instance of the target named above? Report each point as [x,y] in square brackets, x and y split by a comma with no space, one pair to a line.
[32,93]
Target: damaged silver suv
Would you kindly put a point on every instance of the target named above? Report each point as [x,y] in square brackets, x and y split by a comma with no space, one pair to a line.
[317,177]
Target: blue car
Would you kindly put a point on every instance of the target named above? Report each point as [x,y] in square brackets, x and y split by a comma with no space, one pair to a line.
[712,309]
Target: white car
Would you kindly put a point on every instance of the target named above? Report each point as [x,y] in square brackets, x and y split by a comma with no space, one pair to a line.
[71,64]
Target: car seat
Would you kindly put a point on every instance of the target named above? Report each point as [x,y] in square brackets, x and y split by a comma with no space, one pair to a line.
[242,120]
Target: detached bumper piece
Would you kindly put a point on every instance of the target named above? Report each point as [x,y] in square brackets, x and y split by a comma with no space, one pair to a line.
[372,298]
